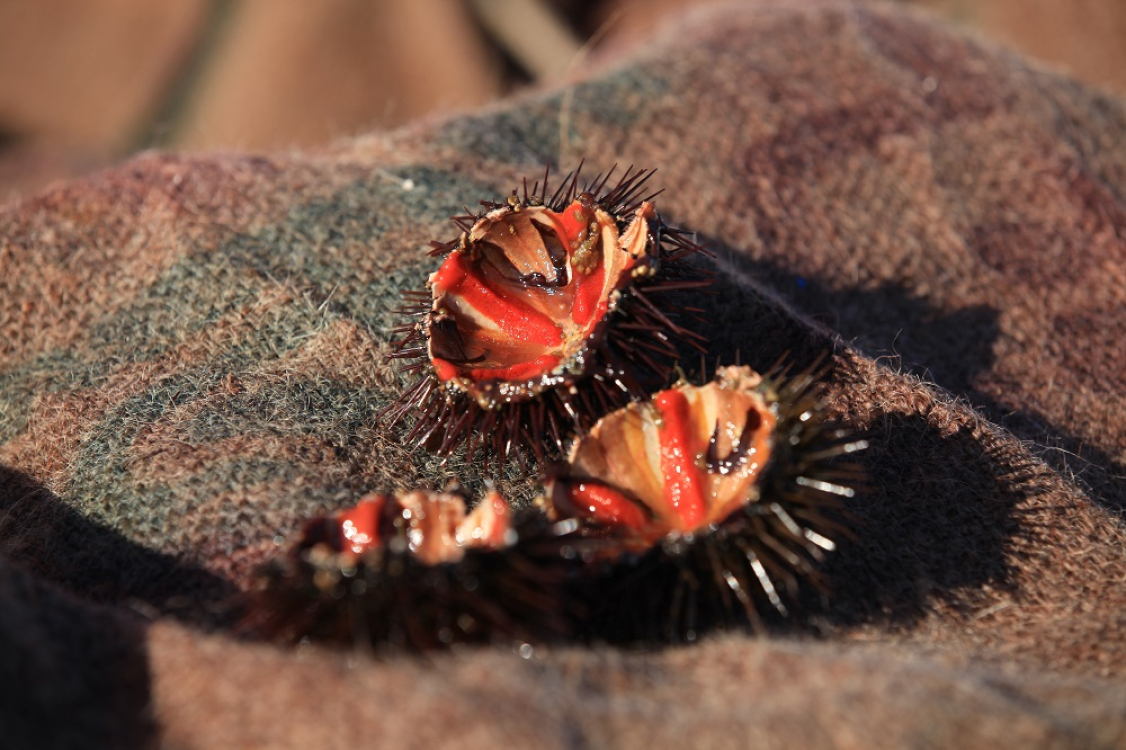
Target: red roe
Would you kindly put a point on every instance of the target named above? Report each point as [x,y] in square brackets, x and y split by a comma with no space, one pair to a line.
[679,464]
[517,302]
[435,526]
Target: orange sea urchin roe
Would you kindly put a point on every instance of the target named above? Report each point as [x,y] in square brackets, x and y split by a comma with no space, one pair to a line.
[434,524]
[520,299]
[686,460]
[359,526]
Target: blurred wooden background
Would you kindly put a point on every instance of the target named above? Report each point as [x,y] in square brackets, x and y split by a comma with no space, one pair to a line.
[86,82]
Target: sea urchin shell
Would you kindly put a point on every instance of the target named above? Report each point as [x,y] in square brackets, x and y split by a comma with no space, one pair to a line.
[414,571]
[719,498]
[537,296]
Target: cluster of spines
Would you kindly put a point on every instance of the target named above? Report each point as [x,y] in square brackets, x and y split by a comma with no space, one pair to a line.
[641,342]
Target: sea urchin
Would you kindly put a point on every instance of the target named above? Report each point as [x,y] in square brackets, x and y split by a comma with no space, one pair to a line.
[718,499]
[545,313]
[414,571]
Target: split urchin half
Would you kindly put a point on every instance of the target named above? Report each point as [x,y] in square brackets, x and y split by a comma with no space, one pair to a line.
[720,500]
[547,311]
[414,571]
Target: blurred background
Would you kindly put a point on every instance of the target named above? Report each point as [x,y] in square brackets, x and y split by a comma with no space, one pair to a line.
[84,83]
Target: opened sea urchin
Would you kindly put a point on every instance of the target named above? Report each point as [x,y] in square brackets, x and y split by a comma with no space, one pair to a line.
[414,571]
[718,501]
[545,313]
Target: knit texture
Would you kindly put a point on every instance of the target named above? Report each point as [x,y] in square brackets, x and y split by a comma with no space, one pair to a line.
[192,362]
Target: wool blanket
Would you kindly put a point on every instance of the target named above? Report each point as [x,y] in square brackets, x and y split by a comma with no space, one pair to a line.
[193,361]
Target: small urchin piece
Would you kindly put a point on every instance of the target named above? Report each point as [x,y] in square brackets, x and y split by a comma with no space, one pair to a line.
[547,311]
[720,500]
[414,572]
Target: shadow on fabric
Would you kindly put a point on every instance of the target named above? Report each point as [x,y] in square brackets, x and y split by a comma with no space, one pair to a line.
[43,535]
